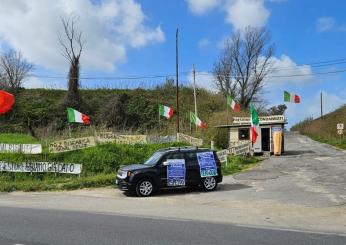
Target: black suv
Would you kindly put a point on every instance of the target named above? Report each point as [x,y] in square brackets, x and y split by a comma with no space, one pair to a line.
[172,168]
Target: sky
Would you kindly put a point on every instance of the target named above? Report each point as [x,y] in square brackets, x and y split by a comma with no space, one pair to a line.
[133,38]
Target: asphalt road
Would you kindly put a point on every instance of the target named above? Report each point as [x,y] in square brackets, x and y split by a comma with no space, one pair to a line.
[32,226]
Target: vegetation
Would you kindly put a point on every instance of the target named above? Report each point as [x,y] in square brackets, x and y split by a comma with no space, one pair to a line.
[237,164]
[324,129]
[100,164]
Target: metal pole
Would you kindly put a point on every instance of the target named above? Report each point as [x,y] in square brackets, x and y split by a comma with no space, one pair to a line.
[321,106]
[194,91]
[177,77]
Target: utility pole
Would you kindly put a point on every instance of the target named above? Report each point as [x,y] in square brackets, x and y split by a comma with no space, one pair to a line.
[194,90]
[177,77]
[321,106]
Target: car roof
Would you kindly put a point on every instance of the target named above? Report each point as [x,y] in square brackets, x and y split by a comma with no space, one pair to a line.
[183,149]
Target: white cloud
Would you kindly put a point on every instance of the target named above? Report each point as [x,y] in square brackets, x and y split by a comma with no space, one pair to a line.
[239,13]
[325,24]
[110,28]
[203,43]
[286,72]
[203,80]
[199,7]
[243,13]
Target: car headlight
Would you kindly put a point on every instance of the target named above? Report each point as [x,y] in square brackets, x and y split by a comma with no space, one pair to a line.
[122,174]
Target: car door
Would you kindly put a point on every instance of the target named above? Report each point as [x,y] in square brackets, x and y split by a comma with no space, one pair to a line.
[163,169]
[192,168]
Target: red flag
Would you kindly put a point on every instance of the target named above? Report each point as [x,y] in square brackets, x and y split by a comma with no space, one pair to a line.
[6,102]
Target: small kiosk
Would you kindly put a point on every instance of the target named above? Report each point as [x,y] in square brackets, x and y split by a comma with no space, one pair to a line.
[269,126]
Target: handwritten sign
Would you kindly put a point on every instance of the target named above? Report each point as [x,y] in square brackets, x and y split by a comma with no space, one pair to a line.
[240,149]
[71,144]
[21,148]
[176,171]
[131,139]
[105,137]
[189,139]
[41,167]
[222,155]
[340,126]
[207,164]
[156,139]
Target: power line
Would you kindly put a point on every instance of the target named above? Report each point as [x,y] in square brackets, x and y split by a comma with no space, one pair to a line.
[137,77]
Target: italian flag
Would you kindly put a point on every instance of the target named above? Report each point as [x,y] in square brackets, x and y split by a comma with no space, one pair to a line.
[198,122]
[293,98]
[75,116]
[254,124]
[231,103]
[166,111]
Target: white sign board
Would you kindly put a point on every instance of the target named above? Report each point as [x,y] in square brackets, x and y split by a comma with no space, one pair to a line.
[21,148]
[41,167]
[71,144]
[340,126]
[340,131]
[189,139]
[222,155]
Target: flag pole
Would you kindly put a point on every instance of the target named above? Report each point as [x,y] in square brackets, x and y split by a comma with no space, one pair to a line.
[194,92]
[159,117]
[227,113]
[69,130]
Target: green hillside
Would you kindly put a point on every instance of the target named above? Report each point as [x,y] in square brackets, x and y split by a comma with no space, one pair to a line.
[41,114]
[324,129]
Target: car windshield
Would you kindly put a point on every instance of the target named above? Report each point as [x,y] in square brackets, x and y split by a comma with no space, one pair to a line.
[154,158]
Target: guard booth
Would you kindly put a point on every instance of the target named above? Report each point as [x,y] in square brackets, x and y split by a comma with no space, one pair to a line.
[239,132]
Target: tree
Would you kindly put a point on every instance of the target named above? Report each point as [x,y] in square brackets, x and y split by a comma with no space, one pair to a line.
[244,64]
[72,46]
[14,69]
[277,110]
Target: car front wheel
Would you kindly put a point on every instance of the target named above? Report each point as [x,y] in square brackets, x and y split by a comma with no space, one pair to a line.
[144,188]
[209,183]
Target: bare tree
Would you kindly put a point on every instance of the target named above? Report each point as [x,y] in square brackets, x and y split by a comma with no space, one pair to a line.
[14,69]
[72,47]
[244,65]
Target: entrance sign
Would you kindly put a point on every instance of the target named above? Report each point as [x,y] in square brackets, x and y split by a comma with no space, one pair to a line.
[340,126]
[176,172]
[71,144]
[207,164]
[41,167]
[21,148]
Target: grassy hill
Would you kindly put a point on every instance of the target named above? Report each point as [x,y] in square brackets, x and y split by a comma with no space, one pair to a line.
[40,112]
[324,129]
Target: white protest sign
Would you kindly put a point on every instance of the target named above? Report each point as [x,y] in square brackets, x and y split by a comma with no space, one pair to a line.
[21,148]
[71,144]
[189,139]
[340,126]
[222,155]
[41,167]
